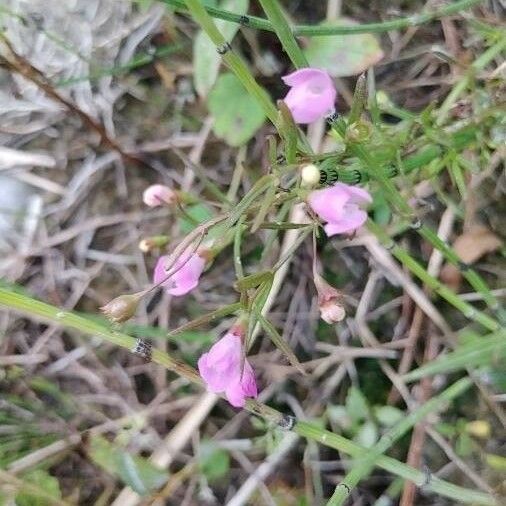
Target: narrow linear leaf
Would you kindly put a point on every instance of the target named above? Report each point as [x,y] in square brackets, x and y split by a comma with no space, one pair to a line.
[280,343]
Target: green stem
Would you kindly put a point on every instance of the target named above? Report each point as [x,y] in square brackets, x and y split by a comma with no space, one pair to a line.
[363,466]
[284,32]
[40,310]
[238,67]
[329,30]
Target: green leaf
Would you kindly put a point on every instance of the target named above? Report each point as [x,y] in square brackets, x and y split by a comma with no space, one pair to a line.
[214,462]
[388,415]
[343,55]
[206,60]
[237,115]
[367,435]
[137,472]
[45,483]
[356,405]
[339,415]
[199,212]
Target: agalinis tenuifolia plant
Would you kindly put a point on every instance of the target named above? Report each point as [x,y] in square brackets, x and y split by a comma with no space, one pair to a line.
[338,208]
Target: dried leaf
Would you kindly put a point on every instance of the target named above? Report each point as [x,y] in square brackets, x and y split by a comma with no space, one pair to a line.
[473,244]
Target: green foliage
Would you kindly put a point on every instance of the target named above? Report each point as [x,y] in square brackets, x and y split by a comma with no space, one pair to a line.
[356,405]
[137,472]
[388,415]
[237,115]
[44,483]
[214,462]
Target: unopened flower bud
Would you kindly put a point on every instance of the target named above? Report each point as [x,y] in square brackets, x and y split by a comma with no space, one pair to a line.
[158,195]
[329,301]
[310,175]
[121,308]
[151,243]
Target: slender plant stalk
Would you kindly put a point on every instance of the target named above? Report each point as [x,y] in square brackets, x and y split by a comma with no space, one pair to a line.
[363,466]
[329,30]
[275,14]
[238,67]
[40,310]
[449,295]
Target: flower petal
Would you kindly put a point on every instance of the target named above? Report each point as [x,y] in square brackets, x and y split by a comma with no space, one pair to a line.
[329,203]
[347,223]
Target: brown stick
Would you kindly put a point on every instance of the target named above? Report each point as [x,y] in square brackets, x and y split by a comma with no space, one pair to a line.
[419,435]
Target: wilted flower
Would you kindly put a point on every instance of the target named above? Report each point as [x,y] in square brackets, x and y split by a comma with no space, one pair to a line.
[186,272]
[312,94]
[158,195]
[121,308]
[338,205]
[329,301]
[220,369]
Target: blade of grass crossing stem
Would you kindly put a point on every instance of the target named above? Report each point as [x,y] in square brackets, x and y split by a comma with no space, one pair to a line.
[363,466]
[481,351]
[329,30]
[238,67]
[39,310]
[284,32]
[435,485]
[449,295]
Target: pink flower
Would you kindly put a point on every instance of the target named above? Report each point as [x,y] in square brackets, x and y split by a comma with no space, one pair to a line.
[220,369]
[339,207]
[187,271]
[312,94]
[158,195]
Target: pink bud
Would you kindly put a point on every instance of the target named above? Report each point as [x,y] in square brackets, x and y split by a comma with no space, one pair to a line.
[158,195]
[312,94]
[187,271]
[329,301]
[339,207]
[220,369]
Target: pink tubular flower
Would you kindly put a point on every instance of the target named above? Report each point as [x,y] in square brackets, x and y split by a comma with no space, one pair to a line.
[158,195]
[187,271]
[220,368]
[312,94]
[339,207]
